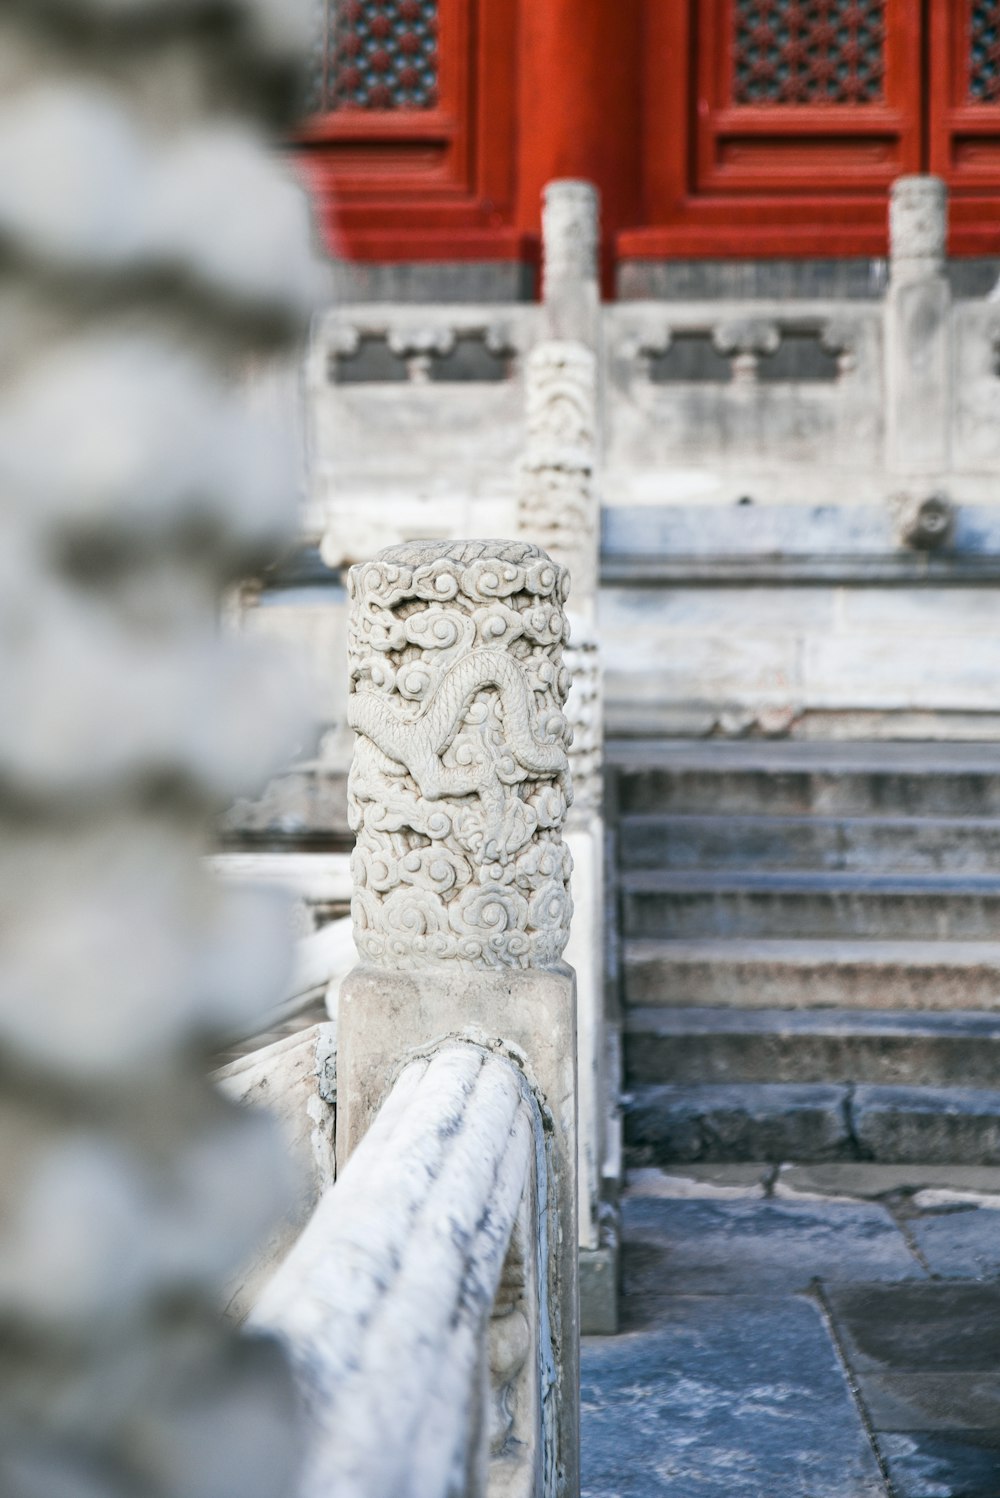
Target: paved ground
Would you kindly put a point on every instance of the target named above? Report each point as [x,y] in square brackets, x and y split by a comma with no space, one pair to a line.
[810,1332]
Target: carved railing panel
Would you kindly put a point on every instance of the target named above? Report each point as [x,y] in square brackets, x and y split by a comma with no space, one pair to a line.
[460,780]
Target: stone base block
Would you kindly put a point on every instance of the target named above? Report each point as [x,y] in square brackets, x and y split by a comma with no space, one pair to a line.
[599,1285]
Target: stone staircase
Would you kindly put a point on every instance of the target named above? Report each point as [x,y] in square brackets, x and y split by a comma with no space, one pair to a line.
[810,950]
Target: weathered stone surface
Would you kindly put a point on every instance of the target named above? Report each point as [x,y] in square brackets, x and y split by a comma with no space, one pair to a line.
[793,777]
[959,1125]
[708,1182]
[953,845]
[740,1394]
[800,974]
[918,1328]
[930,1402]
[668,1044]
[723,1247]
[599,1272]
[665,1124]
[864,1178]
[693,905]
[964,1464]
[960,1244]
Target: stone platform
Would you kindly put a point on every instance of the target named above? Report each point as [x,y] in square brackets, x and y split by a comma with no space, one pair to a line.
[826,1331]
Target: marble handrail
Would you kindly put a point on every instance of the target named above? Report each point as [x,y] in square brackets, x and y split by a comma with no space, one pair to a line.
[414,1304]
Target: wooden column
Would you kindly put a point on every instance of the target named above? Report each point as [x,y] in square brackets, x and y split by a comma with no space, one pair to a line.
[578,107]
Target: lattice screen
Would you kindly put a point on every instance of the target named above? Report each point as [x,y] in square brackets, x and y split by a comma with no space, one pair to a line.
[984,52]
[375,54]
[809,51]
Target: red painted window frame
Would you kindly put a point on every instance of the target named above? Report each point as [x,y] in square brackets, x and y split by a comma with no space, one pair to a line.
[427,184]
[696,206]
[959,132]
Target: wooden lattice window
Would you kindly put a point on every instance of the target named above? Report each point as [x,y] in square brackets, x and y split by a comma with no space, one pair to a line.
[808,51]
[983,56]
[375,54]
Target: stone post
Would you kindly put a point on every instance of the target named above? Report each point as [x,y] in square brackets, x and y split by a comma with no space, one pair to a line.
[458,793]
[571,295]
[559,509]
[917,332]
[153,247]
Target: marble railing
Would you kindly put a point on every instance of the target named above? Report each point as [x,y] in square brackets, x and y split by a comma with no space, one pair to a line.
[414,1306]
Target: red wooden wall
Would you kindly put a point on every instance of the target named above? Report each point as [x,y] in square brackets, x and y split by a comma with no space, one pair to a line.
[712,127]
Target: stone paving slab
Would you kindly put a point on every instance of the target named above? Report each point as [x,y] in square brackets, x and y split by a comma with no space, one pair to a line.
[963,1244]
[943,1466]
[931,1402]
[733,1395]
[729,1382]
[720,1247]
[918,1327]
[864,1178]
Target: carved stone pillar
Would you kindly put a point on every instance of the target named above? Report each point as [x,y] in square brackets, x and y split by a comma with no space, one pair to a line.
[458,794]
[460,781]
[138,486]
[917,331]
[558,508]
[557,503]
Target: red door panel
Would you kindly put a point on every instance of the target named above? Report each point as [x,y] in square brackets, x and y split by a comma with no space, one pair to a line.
[963,117]
[774,127]
[408,147]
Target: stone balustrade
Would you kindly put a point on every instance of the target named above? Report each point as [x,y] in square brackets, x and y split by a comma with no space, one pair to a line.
[449,1244]
[414,1306]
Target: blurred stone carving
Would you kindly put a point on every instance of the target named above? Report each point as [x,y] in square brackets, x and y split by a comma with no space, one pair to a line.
[557,505]
[460,782]
[583,709]
[918,226]
[154,251]
[924,522]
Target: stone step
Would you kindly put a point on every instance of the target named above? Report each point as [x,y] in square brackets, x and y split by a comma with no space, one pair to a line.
[697,903]
[930,975]
[789,778]
[945,845]
[690,1046]
[806,1123]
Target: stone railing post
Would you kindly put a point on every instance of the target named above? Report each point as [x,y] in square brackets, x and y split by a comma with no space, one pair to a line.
[458,793]
[917,332]
[154,248]
[571,293]
[559,509]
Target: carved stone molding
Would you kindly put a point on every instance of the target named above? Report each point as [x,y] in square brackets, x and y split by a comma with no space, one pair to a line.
[557,503]
[460,781]
[918,226]
[584,709]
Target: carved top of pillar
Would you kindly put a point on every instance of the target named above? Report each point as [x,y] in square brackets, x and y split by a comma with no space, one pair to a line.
[918,222]
[570,223]
[460,781]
